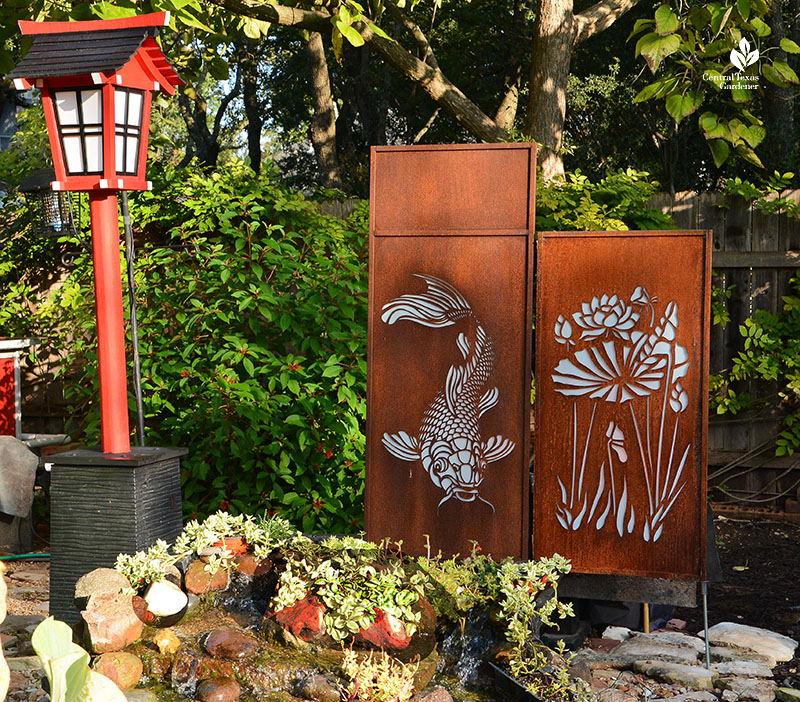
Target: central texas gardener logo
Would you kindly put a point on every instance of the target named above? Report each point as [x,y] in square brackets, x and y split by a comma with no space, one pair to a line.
[743,57]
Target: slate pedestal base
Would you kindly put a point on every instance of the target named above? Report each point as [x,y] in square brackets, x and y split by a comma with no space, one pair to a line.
[104,504]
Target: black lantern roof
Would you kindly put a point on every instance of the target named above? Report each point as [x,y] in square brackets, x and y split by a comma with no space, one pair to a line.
[79,53]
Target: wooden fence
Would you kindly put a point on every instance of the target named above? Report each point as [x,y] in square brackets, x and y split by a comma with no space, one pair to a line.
[756,255]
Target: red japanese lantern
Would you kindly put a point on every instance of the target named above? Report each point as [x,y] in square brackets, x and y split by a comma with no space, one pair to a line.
[97,79]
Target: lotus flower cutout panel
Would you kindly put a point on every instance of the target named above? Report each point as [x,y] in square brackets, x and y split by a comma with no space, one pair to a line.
[620,368]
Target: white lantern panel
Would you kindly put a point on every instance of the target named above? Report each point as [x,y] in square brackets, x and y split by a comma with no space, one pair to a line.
[72,154]
[131,155]
[94,152]
[120,103]
[92,106]
[119,150]
[67,107]
[135,100]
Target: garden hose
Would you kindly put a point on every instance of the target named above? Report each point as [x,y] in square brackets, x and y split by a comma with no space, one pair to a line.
[25,557]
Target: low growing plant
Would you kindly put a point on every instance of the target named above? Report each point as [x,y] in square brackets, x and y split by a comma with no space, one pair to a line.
[67,667]
[378,678]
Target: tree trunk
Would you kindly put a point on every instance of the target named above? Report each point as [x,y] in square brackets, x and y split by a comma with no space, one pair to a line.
[553,33]
[248,58]
[323,123]
[778,102]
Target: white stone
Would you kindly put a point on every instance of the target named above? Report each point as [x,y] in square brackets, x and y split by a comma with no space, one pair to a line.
[646,648]
[748,690]
[675,637]
[693,696]
[692,676]
[24,664]
[748,669]
[165,598]
[616,633]
[769,643]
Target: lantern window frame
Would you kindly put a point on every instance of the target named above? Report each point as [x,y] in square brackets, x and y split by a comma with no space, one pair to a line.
[82,127]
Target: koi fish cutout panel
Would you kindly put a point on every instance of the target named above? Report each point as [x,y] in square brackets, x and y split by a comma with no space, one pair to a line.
[622,387]
[448,423]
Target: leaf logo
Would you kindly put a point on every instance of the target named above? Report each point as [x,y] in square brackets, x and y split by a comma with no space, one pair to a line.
[743,57]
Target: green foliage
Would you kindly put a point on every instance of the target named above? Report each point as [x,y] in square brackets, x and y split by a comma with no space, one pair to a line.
[765,198]
[67,667]
[252,341]
[772,352]
[702,56]
[262,534]
[342,574]
[617,202]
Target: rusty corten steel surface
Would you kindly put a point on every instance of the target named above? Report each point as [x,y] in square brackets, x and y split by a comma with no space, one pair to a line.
[449,347]
[621,401]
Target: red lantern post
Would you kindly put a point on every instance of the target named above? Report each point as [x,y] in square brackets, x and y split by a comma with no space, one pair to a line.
[97,79]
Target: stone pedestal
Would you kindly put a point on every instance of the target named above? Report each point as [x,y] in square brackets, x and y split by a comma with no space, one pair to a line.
[104,504]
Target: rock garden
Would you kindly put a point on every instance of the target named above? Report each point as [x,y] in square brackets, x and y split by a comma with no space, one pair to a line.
[250,609]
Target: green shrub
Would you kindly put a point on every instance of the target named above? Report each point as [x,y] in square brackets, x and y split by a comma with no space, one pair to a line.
[617,202]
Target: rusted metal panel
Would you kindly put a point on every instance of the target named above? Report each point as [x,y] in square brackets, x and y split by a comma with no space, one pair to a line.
[449,349]
[621,401]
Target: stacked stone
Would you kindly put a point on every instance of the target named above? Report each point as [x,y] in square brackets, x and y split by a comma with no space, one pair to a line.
[670,665]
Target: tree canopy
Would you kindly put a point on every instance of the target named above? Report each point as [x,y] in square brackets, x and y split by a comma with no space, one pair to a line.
[688,91]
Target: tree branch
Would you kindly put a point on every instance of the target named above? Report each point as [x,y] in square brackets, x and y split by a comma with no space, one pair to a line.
[413,28]
[223,105]
[600,17]
[315,20]
[438,87]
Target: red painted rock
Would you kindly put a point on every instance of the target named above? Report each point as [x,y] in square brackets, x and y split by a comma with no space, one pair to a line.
[123,669]
[386,632]
[198,581]
[218,690]
[236,545]
[304,619]
[248,564]
[230,644]
[111,623]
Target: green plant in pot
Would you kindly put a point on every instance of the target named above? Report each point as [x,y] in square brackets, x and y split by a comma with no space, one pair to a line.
[67,667]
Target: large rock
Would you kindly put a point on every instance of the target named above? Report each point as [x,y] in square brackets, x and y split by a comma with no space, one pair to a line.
[218,690]
[774,646]
[676,674]
[748,690]
[673,637]
[5,673]
[692,696]
[722,654]
[18,466]
[97,581]
[199,581]
[386,633]
[111,623]
[645,647]
[434,694]
[787,694]
[124,669]
[319,688]
[304,620]
[230,644]
[747,669]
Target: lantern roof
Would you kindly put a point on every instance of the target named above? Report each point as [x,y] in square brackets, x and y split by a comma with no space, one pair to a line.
[94,46]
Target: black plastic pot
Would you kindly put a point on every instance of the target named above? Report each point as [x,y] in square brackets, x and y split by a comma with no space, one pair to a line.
[512,690]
